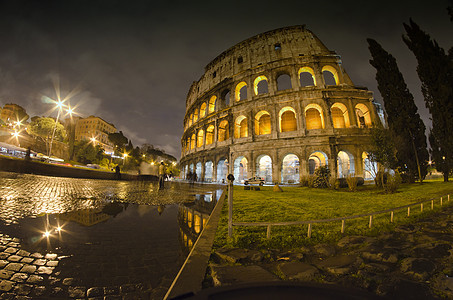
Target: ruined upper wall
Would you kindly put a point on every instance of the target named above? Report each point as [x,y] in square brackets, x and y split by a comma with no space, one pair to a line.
[294,42]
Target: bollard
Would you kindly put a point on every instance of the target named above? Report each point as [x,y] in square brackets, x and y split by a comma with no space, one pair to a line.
[391,216]
[268,233]
[440,201]
[421,207]
[371,221]
[342,226]
[408,211]
[432,204]
[309,231]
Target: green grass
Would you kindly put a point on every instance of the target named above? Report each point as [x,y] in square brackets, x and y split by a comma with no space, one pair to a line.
[303,204]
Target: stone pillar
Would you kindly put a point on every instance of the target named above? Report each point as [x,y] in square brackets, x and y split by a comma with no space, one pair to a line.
[352,115]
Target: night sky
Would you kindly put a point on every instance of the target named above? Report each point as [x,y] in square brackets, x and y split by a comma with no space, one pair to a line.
[132,62]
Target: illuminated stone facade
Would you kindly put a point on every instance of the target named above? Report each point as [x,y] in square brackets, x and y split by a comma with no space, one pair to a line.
[277,105]
[97,128]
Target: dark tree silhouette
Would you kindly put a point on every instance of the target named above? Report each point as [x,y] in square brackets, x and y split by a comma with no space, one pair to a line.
[406,127]
[435,70]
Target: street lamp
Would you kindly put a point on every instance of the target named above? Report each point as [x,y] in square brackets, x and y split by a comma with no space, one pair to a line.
[124,157]
[59,106]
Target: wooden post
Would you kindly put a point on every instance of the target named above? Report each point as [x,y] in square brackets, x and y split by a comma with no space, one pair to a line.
[408,211]
[421,207]
[391,216]
[230,209]
[440,201]
[268,233]
[432,204]
[371,221]
[342,226]
[309,231]
[448,200]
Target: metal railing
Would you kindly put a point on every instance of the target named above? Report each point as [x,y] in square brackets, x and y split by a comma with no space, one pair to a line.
[343,219]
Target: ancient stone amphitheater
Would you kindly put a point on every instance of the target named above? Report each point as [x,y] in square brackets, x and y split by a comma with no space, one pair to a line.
[277,105]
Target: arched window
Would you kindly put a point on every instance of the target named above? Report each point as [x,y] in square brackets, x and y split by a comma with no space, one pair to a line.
[240,127]
[345,164]
[210,135]
[190,119]
[188,144]
[262,123]
[192,141]
[340,115]
[313,117]
[287,120]
[240,169]
[222,170]
[208,171]
[264,167]
[260,85]
[290,169]
[283,82]
[306,76]
[212,102]
[330,75]
[226,97]
[315,160]
[200,136]
[223,132]
[203,110]
[363,115]
[195,116]
[241,91]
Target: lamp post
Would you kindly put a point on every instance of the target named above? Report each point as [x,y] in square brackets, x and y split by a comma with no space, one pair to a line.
[124,157]
[59,106]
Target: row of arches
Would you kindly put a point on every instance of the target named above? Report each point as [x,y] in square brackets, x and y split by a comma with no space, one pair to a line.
[287,122]
[283,81]
[290,171]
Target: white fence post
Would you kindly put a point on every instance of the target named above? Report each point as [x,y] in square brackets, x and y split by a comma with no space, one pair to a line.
[371,221]
[391,216]
[342,226]
[268,233]
[309,231]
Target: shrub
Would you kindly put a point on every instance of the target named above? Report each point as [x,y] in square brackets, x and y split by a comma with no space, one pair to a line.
[381,179]
[321,178]
[352,182]
[393,182]
[304,180]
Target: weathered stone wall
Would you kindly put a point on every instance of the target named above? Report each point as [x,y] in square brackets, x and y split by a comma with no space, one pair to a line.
[259,61]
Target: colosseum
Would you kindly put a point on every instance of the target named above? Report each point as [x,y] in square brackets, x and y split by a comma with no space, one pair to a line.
[277,105]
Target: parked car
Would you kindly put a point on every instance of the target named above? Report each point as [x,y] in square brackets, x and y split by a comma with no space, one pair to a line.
[254,180]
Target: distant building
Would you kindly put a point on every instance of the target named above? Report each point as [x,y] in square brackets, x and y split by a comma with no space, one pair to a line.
[95,127]
[11,113]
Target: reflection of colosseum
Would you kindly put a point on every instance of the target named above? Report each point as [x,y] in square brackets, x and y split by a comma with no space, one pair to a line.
[277,105]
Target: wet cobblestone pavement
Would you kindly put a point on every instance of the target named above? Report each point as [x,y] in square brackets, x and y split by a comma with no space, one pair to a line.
[105,239]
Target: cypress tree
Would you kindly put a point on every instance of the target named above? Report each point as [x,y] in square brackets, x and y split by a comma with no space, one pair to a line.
[405,124]
[435,70]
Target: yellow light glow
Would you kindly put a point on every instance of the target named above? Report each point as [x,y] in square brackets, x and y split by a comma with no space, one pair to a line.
[46,234]
[258,80]
[58,229]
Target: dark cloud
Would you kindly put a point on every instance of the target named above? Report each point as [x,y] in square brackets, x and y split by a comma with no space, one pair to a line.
[132,62]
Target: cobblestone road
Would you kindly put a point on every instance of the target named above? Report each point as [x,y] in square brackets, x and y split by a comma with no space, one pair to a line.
[28,273]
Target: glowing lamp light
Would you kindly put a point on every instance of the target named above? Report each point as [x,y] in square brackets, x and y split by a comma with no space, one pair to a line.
[46,234]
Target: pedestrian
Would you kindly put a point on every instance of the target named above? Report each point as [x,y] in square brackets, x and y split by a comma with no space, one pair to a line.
[117,172]
[161,175]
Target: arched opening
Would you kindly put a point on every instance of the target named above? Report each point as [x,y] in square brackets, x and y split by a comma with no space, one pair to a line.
[208,171]
[330,75]
[345,162]
[188,144]
[210,135]
[200,136]
[190,119]
[306,77]
[222,170]
[240,169]
[340,115]
[290,169]
[195,116]
[283,82]
[241,91]
[223,131]
[240,127]
[313,117]
[370,168]
[212,103]
[316,160]
[226,97]
[203,110]
[191,168]
[197,223]
[260,85]
[262,123]
[363,115]
[287,119]
[198,171]
[192,141]
[264,167]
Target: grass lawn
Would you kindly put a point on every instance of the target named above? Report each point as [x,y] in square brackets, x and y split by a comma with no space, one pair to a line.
[303,204]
